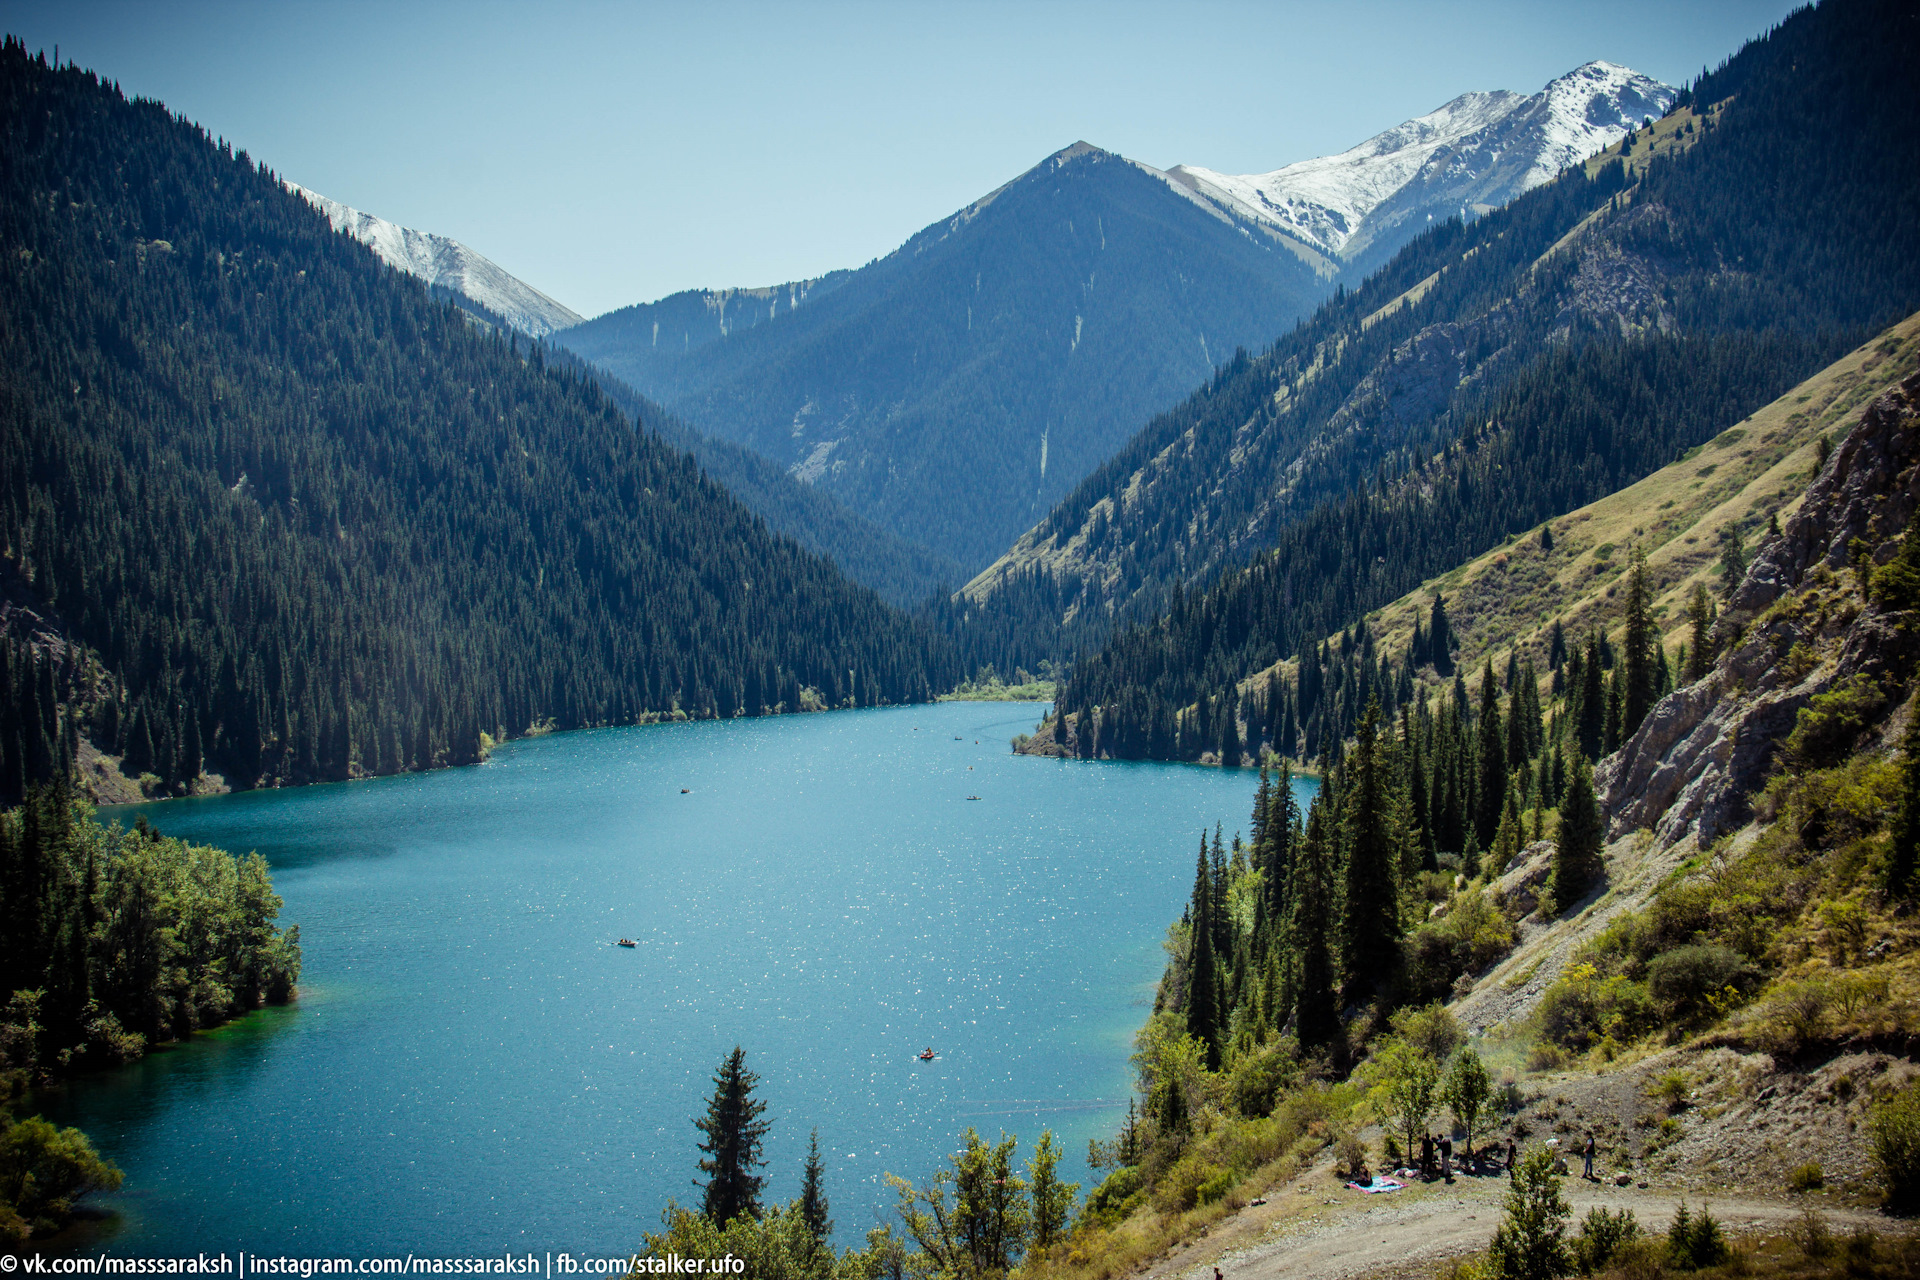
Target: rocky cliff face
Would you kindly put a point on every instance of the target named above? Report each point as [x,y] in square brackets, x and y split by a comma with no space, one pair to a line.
[1798,626]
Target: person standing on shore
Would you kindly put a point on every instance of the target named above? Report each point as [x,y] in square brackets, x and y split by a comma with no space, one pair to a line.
[1446,1157]
[1587,1152]
[1513,1156]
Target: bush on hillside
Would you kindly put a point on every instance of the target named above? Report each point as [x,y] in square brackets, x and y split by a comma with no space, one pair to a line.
[1832,722]
[1894,1130]
[1684,979]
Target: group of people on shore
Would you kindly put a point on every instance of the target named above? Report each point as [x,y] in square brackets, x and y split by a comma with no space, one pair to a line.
[1436,1157]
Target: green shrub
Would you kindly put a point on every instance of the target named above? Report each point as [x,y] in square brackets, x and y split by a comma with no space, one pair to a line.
[1179,1188]
[1116,1196]
[1602,1235]
[1828,726]
[1695,1242]
[1808,1177]
[1682,979]
[1582,1008]
[43,1170]
[1894,1130]
[1258,1079]
[1530,1242]
[1215,1187]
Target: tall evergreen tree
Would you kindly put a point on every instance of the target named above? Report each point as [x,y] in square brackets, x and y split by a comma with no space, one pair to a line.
[1590,706]
[1440,637]
[1577,859]
[1203,980]
[813,1193]
[1700,615]
[1490,789]
[1642,676]
[1369,815]
[733,1131]
[1316,1008]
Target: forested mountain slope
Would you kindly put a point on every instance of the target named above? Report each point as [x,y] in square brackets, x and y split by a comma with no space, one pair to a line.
[306,522]
[1496,375]
[953,390]
[903,573]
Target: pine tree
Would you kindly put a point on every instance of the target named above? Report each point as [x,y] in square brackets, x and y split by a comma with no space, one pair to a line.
[1203,1010]
[1316,1012]
[733,1131]
[1577,859]
[1506,837]
[1490,791]
[1370,812]
[1733,559]
[813,1193]
[1440,637]
[1700,614]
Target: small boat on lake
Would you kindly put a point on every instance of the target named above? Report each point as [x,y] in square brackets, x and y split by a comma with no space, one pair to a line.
[686,790]
[926,1054]
[973,797]
[626,942]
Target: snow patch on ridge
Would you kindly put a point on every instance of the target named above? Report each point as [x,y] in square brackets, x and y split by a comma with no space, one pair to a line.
[1476,152]
[449,264]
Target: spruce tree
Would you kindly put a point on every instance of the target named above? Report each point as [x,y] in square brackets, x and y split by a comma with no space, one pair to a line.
[1372,925]
[1577,859]
[1612,733]
[733,1131]
[1490,793]
[813,1193]
[1590,707]
[1440,637]
[1316,1011]
[1700,615]
[1203,1013]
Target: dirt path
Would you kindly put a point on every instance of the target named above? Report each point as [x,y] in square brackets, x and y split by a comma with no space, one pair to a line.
[1308,1230]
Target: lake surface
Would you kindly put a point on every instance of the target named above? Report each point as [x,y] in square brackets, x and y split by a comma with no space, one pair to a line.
[473,1066]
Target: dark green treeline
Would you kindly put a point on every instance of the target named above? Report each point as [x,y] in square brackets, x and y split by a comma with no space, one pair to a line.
[111,939]
[314,523]
[1330,908]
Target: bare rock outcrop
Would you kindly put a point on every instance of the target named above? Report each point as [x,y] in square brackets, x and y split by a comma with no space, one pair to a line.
[1698,756]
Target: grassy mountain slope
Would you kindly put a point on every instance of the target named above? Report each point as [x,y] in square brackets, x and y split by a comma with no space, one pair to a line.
[955,389]
[309,522]
[1502,604]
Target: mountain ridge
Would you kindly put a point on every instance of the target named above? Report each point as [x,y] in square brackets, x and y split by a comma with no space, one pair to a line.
[950,389]
[1473,153]
[444,262]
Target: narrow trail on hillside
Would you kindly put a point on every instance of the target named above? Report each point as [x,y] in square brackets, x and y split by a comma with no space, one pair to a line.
[1313,1229]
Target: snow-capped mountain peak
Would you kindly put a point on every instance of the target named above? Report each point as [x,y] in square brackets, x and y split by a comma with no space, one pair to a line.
[1474,153]
[449,264]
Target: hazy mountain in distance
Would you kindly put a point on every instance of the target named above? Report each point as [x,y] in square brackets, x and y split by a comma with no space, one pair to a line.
[449,265]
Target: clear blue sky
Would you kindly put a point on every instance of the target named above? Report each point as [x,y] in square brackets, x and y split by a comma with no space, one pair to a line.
[613,153]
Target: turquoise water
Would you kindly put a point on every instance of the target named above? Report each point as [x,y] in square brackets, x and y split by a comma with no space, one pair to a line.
[473,1066]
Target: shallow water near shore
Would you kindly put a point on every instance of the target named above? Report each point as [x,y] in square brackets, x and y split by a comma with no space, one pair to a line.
[474,1066]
